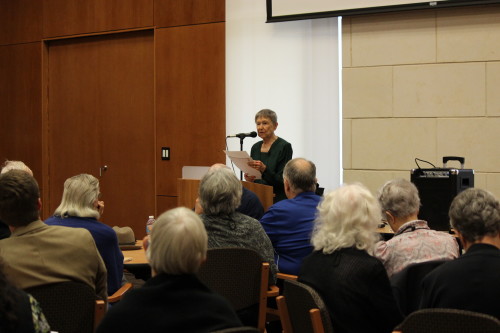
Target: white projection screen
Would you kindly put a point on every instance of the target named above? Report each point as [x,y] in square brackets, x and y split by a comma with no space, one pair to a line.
[289,10]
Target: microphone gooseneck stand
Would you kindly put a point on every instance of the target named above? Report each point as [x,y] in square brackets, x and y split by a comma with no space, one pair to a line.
[241,149]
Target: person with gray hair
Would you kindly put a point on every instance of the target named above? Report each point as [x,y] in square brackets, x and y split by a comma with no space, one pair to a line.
[470,282]
[413,240]
[81,207]
[219,196]
[250,203]
[15,165]
[353,284]
[7,166]
[270,155]
[289,223]
[174,299]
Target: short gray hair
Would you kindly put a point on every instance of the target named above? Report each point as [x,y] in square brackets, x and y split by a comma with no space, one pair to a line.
[301,175]
[220,192]
[79,195]
[475,213]
[15,165]
[267,113]
[347,217]
[400,197]
[178,242]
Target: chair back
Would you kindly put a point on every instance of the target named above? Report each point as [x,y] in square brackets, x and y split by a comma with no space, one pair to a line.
[407,285]
[69,307]
[300,300]
[234,273]
[449,321]
[238,274]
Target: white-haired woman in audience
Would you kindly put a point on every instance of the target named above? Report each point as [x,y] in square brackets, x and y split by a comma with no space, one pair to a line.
[80,208]
[353,284]
[173,300]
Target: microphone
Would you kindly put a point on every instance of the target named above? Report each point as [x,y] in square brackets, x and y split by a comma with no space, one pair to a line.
[252,134]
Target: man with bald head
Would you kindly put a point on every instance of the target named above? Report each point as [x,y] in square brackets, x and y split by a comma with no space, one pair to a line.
[289,223]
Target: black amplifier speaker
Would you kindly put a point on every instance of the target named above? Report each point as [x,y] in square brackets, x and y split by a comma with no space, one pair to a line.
[437,187]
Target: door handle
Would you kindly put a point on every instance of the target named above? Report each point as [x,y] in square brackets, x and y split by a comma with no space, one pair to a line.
[101,169]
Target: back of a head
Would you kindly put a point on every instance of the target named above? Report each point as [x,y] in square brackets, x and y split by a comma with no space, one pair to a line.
[347,217]
[15,165]
[301,175]
[178,242]
[80,193]
[475,213]
[19,196]
[220,192]
[400,197]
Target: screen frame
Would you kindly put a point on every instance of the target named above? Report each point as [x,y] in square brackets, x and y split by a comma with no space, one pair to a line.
[374,10]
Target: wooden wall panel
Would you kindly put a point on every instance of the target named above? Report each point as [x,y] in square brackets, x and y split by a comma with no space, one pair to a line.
[20,105]
[20,21]
[190,99]
[101,112]
[68,17]
[170,13]
[164,203]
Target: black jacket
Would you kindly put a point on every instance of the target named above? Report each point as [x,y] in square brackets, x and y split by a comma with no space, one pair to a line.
[170,303]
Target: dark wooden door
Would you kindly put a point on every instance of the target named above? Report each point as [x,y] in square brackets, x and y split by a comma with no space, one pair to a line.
[101,121]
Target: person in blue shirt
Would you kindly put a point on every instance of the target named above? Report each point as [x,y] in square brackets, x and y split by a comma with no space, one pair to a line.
[81,208]
[289,223]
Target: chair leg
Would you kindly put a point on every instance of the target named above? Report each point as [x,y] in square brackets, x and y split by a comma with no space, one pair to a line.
[317,323]
[284,316]
[264,279]
[99,312]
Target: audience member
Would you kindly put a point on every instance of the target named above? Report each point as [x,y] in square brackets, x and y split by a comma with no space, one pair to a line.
[250,203]
[289,223]
[219,195]
[471,282]
[353,284]
[80,208]
[11,165]
[413,240]
[174,299]
[19,311]
[38,254]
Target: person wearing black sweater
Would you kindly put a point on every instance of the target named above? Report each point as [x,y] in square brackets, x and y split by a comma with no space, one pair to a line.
[174,299]
[353,284]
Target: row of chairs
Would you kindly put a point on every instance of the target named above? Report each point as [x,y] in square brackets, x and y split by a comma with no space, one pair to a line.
[234,273]
[241,276]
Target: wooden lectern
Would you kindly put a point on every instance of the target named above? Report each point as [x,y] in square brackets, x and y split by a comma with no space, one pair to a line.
[187,190]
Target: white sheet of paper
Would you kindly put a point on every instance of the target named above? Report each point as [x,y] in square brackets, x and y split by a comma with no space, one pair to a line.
[241,159]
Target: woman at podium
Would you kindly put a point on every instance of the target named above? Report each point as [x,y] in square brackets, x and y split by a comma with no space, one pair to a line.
[270,155]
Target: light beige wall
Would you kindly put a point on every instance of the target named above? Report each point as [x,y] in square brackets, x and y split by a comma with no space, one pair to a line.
[422,84]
